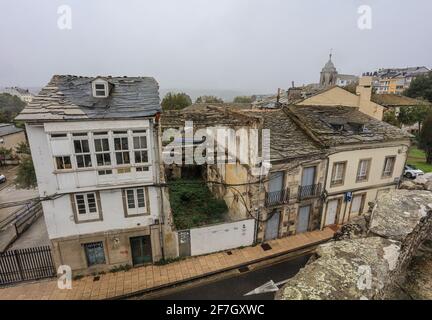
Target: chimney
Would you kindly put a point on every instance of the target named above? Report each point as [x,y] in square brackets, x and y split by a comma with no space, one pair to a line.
[278,96]
[364,91]
[292,84]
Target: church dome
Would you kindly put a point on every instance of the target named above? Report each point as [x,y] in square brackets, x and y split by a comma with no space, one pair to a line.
[329,66]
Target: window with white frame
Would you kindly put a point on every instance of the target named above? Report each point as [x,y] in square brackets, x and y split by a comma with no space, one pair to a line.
[135,200]
[86,206]
[100,89]
[140,147]
[389,166]
[82,150]
[338,174]
[102,149]
[121,147]
[63,163]
[363,170]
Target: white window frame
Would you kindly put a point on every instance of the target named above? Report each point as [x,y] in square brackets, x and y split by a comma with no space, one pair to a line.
[122,151]
[363,170]
[82,154]
[136,210]
[389,174]
[139,135]
[62,157]
[87,215]
[109,151]
[335,171]
[96,91]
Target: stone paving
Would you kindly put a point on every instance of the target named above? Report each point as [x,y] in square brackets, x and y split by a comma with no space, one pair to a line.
[151,277]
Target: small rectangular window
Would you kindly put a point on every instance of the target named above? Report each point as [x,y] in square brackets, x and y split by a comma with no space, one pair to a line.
[141,169]
[338,174]
[104,172]
[140,147]
[95,253]
[82,153]
[135,201]
[86,206]
[121,147]
[58,135]
[63,163]
[102,151]
[363,170]
[389,163]
[123,170]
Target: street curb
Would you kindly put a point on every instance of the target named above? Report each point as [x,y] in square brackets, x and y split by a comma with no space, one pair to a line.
[212,273]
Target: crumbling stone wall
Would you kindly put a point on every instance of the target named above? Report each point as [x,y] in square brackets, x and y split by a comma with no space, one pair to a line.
[369,257]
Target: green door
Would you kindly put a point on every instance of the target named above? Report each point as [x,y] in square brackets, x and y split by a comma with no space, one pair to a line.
[141,250]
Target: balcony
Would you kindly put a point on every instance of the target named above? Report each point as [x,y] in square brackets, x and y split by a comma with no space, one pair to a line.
[311,191]
[277,197]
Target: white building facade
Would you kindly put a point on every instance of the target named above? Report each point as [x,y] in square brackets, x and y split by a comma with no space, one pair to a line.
[98,170]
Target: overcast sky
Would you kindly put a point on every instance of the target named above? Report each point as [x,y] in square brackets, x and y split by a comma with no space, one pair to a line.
[247,45]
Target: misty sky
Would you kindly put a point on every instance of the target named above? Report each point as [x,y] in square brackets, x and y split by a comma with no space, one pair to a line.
[252,46]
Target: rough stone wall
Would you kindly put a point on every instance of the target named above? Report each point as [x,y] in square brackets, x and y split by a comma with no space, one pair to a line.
[370,255]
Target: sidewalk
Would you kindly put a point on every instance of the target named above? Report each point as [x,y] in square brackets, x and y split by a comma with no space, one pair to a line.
[153,277]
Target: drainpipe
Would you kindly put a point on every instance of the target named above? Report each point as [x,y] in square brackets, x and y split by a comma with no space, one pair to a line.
[156,138]
[325,190]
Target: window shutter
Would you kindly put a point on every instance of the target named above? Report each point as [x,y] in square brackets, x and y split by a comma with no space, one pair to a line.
[99,204]
[74,209]
[124,202]
[147,202]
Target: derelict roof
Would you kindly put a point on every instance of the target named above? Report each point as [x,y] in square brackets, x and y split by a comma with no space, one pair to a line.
[394,100]
[287,140]
[69,97]
[7,128]
[324,122]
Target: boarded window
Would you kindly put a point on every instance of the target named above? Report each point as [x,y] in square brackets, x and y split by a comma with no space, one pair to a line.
[95,253]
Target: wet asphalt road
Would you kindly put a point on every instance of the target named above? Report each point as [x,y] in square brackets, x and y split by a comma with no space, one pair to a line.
[234,288]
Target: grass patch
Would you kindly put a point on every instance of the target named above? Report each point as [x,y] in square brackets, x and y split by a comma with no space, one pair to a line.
[193,205]
[417,158]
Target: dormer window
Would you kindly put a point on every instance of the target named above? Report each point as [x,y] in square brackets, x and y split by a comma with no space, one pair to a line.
[337,126]
[100,88]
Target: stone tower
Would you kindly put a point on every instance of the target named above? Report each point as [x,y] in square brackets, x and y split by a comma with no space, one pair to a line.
[328,74]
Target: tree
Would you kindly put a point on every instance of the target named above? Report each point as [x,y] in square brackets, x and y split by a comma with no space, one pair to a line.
[23,147]
[242,99]
[4,154]
[26,176]
[421,87]
[175,101]
[411,115]
[10,106]
[425,138]
[390,117]
[209,99]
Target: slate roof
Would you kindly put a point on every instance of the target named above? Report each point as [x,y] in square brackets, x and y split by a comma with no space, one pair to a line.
[287,140]
[69,97]
[7,128]
[206,115]
[319,120]
[394,100]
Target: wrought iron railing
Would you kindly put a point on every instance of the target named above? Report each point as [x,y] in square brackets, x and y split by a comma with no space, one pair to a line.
[277,197]
[311,191]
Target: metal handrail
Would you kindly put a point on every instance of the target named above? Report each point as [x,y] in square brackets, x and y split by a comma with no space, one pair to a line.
[277,197]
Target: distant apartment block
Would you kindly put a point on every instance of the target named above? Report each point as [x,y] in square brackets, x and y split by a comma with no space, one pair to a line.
[24,94]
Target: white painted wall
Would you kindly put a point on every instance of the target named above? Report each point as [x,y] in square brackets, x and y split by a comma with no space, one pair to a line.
[60,220]
[51,181]
[222,237]
[58,213]
[377,157]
